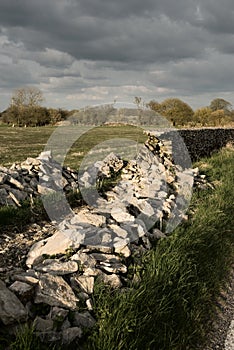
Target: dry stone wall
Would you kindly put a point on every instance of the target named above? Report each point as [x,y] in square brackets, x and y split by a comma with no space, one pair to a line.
[203,142]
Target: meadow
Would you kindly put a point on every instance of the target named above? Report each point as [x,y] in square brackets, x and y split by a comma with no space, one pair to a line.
[16,144]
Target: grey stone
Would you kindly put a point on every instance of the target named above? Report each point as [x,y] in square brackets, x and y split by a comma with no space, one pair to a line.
[123,250]
[11,310]
[84,319]
[89,304]
[120,215]
[58,314]
[56,244]
[85,283]
[86,260]
[50,337]
[84,215]
[27,277]
[3,178]
[119,231]
[16,183]
[54,291]
[113,267]
[3,196]
[66,324]
[112,280]
[43,325]
[23,290]
[71,334]
[56,267]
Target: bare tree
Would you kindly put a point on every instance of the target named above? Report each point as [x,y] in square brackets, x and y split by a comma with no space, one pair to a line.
[25,102]
[27,97]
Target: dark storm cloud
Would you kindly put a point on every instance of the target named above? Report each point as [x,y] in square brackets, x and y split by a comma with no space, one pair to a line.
[104,30]
[109,47]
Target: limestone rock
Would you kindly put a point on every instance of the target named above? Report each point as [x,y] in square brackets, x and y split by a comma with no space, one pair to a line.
[120,215]
[84,215]
[11,309]
[84,319]
[23,290]
[112,280]
[54,291]
[85,283]
[56,267]
[56,244]
[58,314]
[71,334]
[43,325]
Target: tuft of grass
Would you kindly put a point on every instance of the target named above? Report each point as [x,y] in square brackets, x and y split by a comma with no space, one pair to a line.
[19,217]
[171,306]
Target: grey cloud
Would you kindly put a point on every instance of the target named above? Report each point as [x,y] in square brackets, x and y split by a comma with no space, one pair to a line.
[65,46]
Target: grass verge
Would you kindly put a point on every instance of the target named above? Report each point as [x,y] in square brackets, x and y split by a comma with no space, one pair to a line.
[170,307]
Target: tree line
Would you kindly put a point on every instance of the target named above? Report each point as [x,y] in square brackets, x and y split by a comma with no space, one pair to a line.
[26,109]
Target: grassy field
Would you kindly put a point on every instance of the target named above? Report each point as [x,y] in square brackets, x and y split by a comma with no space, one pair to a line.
[16,144]
[171,306]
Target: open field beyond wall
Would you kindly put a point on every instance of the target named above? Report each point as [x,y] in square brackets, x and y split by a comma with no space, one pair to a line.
[16,144]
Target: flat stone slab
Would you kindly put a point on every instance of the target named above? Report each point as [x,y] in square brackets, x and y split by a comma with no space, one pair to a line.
[54,291]
[56,267]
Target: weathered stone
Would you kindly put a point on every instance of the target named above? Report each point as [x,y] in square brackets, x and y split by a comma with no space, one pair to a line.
[56,267]
[89,304]
[54,291]
[86,260]
[28,277]
[120,215]
[58,314]
[16,183]
[86,216]
[123,250]
[85,283]
[66,324]
[43,325]
[112,280]
[23,290]
[119,231]
[11,309]
[71,334]
[155,234]
[3,178]
[3,196]
[50,337]
[113,267]
[56,244]
[84,319]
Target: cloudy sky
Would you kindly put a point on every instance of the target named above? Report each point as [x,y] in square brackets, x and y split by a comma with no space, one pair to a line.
[88,52]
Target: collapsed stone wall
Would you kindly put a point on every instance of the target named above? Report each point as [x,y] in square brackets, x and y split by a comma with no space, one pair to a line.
[92,245]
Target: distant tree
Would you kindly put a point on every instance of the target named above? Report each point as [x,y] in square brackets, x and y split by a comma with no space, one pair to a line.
[175,110]
[202,116]
[220,104]
[57,115]
[25,104]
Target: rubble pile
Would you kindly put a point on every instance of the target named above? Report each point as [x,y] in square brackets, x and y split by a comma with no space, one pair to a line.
[94,243]
[33,177]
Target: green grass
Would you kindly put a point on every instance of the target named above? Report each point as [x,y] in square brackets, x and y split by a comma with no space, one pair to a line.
[16,144]
[182,277]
